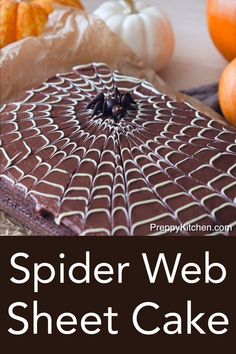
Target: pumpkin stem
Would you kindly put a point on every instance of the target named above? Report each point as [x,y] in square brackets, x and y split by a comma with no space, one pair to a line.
[131,4]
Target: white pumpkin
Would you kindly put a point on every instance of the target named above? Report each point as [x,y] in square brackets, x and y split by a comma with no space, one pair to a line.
[144,28]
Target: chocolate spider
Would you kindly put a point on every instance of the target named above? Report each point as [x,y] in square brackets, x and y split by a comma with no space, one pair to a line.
[116,107]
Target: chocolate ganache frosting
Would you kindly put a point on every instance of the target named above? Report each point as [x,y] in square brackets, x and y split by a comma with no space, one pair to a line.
[107,154]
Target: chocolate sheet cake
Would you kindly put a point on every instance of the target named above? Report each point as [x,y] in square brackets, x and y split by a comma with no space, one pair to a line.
[93,152]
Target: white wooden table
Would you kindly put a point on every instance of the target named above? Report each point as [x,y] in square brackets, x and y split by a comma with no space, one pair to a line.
[196,61]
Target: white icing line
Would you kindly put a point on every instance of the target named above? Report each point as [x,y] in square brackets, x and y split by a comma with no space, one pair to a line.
[144,202]
[96,231]
[119,228]
[118,209]
[59,218]
[51,196]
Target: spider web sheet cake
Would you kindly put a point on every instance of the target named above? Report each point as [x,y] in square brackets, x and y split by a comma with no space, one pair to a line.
[164,163]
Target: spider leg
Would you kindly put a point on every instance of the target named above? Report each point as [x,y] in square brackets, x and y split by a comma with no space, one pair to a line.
[130,98]
[104,108]
[122,99]
[120,116]
[127,99]
[116,119]
[117,93]
[131,106]
[97,109]
[98,98]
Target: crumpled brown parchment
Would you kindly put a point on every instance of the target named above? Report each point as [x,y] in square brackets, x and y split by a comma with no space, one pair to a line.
[71,38]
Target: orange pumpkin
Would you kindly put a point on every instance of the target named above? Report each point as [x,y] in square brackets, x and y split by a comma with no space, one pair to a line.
[23,18]
[222,25]
[227,92]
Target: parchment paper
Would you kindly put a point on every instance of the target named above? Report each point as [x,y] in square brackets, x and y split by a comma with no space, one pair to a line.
[71,38]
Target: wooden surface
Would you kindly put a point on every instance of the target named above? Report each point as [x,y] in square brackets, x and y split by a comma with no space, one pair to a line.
[196,61]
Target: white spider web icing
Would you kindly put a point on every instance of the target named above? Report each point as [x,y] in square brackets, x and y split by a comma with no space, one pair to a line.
[165,163]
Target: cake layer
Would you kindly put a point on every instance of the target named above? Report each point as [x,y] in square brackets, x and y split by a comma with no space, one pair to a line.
[162,164]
